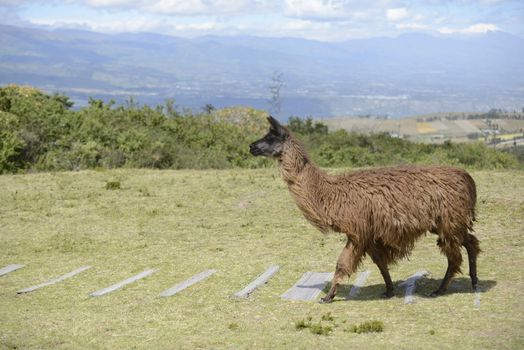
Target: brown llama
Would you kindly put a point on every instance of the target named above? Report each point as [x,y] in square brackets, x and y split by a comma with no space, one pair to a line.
[382,211]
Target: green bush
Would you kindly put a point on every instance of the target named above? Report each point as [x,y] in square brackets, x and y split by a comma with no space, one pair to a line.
[517,152]
[11,144]
[42,132]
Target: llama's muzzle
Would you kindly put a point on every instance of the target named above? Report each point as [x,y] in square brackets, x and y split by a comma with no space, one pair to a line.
[254,150]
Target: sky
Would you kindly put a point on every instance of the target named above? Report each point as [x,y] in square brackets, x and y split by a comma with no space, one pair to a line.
[325,20]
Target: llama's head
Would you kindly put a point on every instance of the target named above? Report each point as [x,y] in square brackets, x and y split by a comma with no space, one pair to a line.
[272,144]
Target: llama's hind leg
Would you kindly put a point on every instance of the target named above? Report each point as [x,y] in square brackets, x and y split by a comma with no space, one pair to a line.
[452,251]
[471,243]
[347,263]
[379,256]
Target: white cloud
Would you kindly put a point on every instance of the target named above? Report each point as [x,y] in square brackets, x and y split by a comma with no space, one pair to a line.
[301,25]
[112,3]
[314,8]
[146,23]
[397,14]
[489,2]
[199,27]
[315,19]
[419,17]
[177,7]
[106,26]
[182,7]
[414,26]
[473,29]
[8,2]
[482,28]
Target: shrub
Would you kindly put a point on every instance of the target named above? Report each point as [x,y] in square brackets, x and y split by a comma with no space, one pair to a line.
[11,145]
[41,132]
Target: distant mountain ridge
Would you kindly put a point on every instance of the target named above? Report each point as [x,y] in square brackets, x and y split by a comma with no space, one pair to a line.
[410,74]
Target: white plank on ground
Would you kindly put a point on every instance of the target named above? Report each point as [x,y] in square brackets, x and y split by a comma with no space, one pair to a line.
[410,286]
[260,280]
[359,283]
[309,286]
[187,283]
[10,268]
[54,280]
[120,284]
[476,303]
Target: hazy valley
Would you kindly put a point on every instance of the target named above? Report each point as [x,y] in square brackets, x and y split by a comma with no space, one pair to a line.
[408,75]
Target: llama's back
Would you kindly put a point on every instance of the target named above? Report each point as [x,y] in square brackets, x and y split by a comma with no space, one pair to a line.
[398,204]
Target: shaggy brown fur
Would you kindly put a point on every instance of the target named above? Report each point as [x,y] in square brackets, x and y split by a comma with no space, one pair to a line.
[381,211]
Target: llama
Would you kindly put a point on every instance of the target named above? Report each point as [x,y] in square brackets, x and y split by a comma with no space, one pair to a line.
[382,211]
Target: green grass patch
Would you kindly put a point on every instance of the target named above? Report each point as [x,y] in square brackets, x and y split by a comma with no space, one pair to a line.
[367,327]
[327,324]
[113,185]
[320,329]
[233,326]
[328,317]
[238,222]
[317,328]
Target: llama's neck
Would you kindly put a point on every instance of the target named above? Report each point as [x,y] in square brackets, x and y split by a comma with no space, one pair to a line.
[296,166]
[305,182]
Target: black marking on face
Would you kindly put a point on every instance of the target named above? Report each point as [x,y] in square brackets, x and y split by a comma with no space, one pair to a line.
[271,144]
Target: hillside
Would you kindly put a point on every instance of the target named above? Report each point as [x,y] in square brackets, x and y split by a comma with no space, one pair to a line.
[494,127]
[407,75]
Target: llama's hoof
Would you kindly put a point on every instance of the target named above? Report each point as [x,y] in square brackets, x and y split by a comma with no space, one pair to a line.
[436,293]
[388,294]
[326,300]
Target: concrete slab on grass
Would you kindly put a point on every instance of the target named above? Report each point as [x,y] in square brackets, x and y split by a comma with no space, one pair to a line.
[476,303]
[359,283]
[309,286]
[10,268]
[54,280]
[119,285]
[260,280]
[187,283]
[410,286]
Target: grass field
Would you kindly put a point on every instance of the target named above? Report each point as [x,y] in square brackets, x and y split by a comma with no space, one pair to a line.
[421,129]
[238,222]
[425,128]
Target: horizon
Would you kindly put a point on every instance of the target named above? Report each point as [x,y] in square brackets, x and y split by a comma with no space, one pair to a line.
[411,74]
[247,35]
[319,20]
[395,61]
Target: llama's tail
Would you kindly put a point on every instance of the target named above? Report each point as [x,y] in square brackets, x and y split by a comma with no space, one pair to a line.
[471,192]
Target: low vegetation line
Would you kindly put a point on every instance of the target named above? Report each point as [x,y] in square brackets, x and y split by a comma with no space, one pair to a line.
[42,132]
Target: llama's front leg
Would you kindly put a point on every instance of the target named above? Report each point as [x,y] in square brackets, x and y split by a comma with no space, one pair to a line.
[347,263]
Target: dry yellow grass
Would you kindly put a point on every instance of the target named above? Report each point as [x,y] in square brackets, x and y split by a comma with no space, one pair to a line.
[425,128]
[507,137]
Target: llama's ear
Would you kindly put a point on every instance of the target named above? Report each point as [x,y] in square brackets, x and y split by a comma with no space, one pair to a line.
[275,125]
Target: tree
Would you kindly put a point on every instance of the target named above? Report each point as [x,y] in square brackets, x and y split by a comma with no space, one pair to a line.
[208,108]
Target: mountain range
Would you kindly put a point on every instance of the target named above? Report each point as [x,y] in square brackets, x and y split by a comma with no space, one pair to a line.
[410,74]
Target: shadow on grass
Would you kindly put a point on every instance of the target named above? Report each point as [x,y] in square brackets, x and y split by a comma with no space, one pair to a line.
[424,287]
